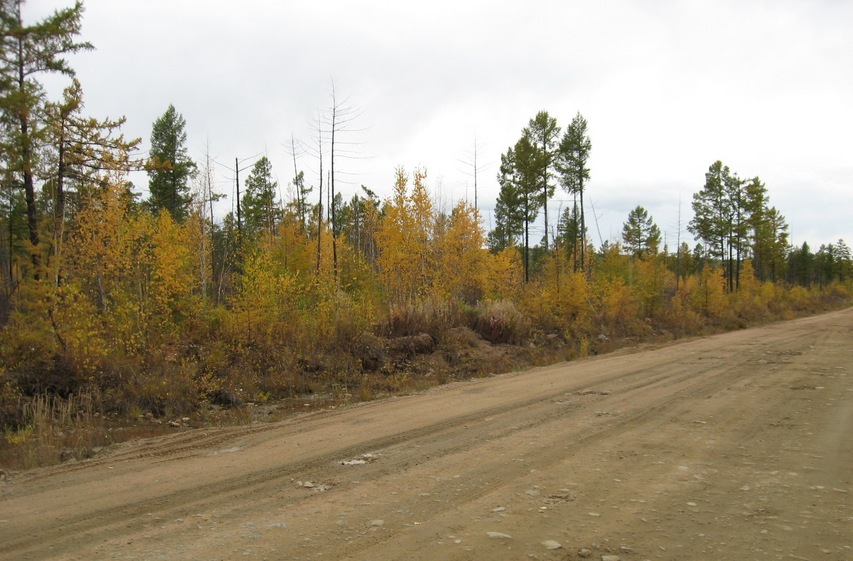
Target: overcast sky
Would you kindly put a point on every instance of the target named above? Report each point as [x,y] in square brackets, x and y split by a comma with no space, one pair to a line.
[666,87]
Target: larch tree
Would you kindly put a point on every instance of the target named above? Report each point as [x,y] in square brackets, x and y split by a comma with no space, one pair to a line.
[27,52]
[573,156]
[82,151]
[404,239]
[337,122]
[461,261]
[299,204]
[170,167]
[473,169]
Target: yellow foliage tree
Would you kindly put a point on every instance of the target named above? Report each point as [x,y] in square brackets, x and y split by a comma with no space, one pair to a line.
[709,294]
[460,257]
[561,301]
[404,239]
[504,273]
[138,270]
[267,297]
[108,249]
[651,279]
[619,312]
[175,291]
[613,264]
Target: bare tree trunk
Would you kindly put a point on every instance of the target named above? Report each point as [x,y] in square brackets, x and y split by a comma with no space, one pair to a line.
[320,205]
[27,164]
[332,187]
[300,196]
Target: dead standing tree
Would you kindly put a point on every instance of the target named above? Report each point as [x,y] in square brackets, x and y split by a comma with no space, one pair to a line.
[336,122]
[473,167]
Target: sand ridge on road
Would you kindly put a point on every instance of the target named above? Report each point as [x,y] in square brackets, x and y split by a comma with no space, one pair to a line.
[735,446]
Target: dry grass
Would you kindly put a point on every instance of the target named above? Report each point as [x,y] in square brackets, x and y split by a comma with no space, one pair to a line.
[430,315]
[53,430]
[501,322]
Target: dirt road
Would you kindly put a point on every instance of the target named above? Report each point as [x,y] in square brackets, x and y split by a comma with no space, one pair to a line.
[737,446]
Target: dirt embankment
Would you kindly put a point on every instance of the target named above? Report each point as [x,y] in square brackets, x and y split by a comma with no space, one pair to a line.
[736,446]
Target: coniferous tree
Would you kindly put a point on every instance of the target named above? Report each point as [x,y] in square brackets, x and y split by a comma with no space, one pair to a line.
[712,211]
[718,219]
[27,52]
[170,168]
[573,156]
[260,209]
[358,221]
[299,204]
[738,228]
[640,234]
[734,218]
[518,178]
[768,232]
[543,134]
[82,148]
[845,260]
[568,234]
[509,210]
[81,152]
[799,266]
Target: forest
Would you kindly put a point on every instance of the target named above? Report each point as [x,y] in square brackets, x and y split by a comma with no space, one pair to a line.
[116,308]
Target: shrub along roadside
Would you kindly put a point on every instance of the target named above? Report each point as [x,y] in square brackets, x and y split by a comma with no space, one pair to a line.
[320,358]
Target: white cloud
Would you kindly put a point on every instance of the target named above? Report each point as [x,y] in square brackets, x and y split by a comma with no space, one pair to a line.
[667,88]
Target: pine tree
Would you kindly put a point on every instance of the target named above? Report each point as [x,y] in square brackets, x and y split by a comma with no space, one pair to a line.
[261,211]
[640,233]
[768,232]
[568,233]
[734,218]
[518,178]
[713,211]
[509,211]
[844,257]
[572,160]
[543,133]
[170,168]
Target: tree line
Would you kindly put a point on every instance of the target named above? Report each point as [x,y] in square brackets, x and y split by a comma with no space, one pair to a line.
[161,306]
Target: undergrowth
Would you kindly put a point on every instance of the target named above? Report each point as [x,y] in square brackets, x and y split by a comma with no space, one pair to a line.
[234,372]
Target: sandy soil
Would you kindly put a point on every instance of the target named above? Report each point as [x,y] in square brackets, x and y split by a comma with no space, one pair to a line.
[737,446]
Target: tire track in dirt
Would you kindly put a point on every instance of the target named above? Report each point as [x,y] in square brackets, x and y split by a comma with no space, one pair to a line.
[495,475]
